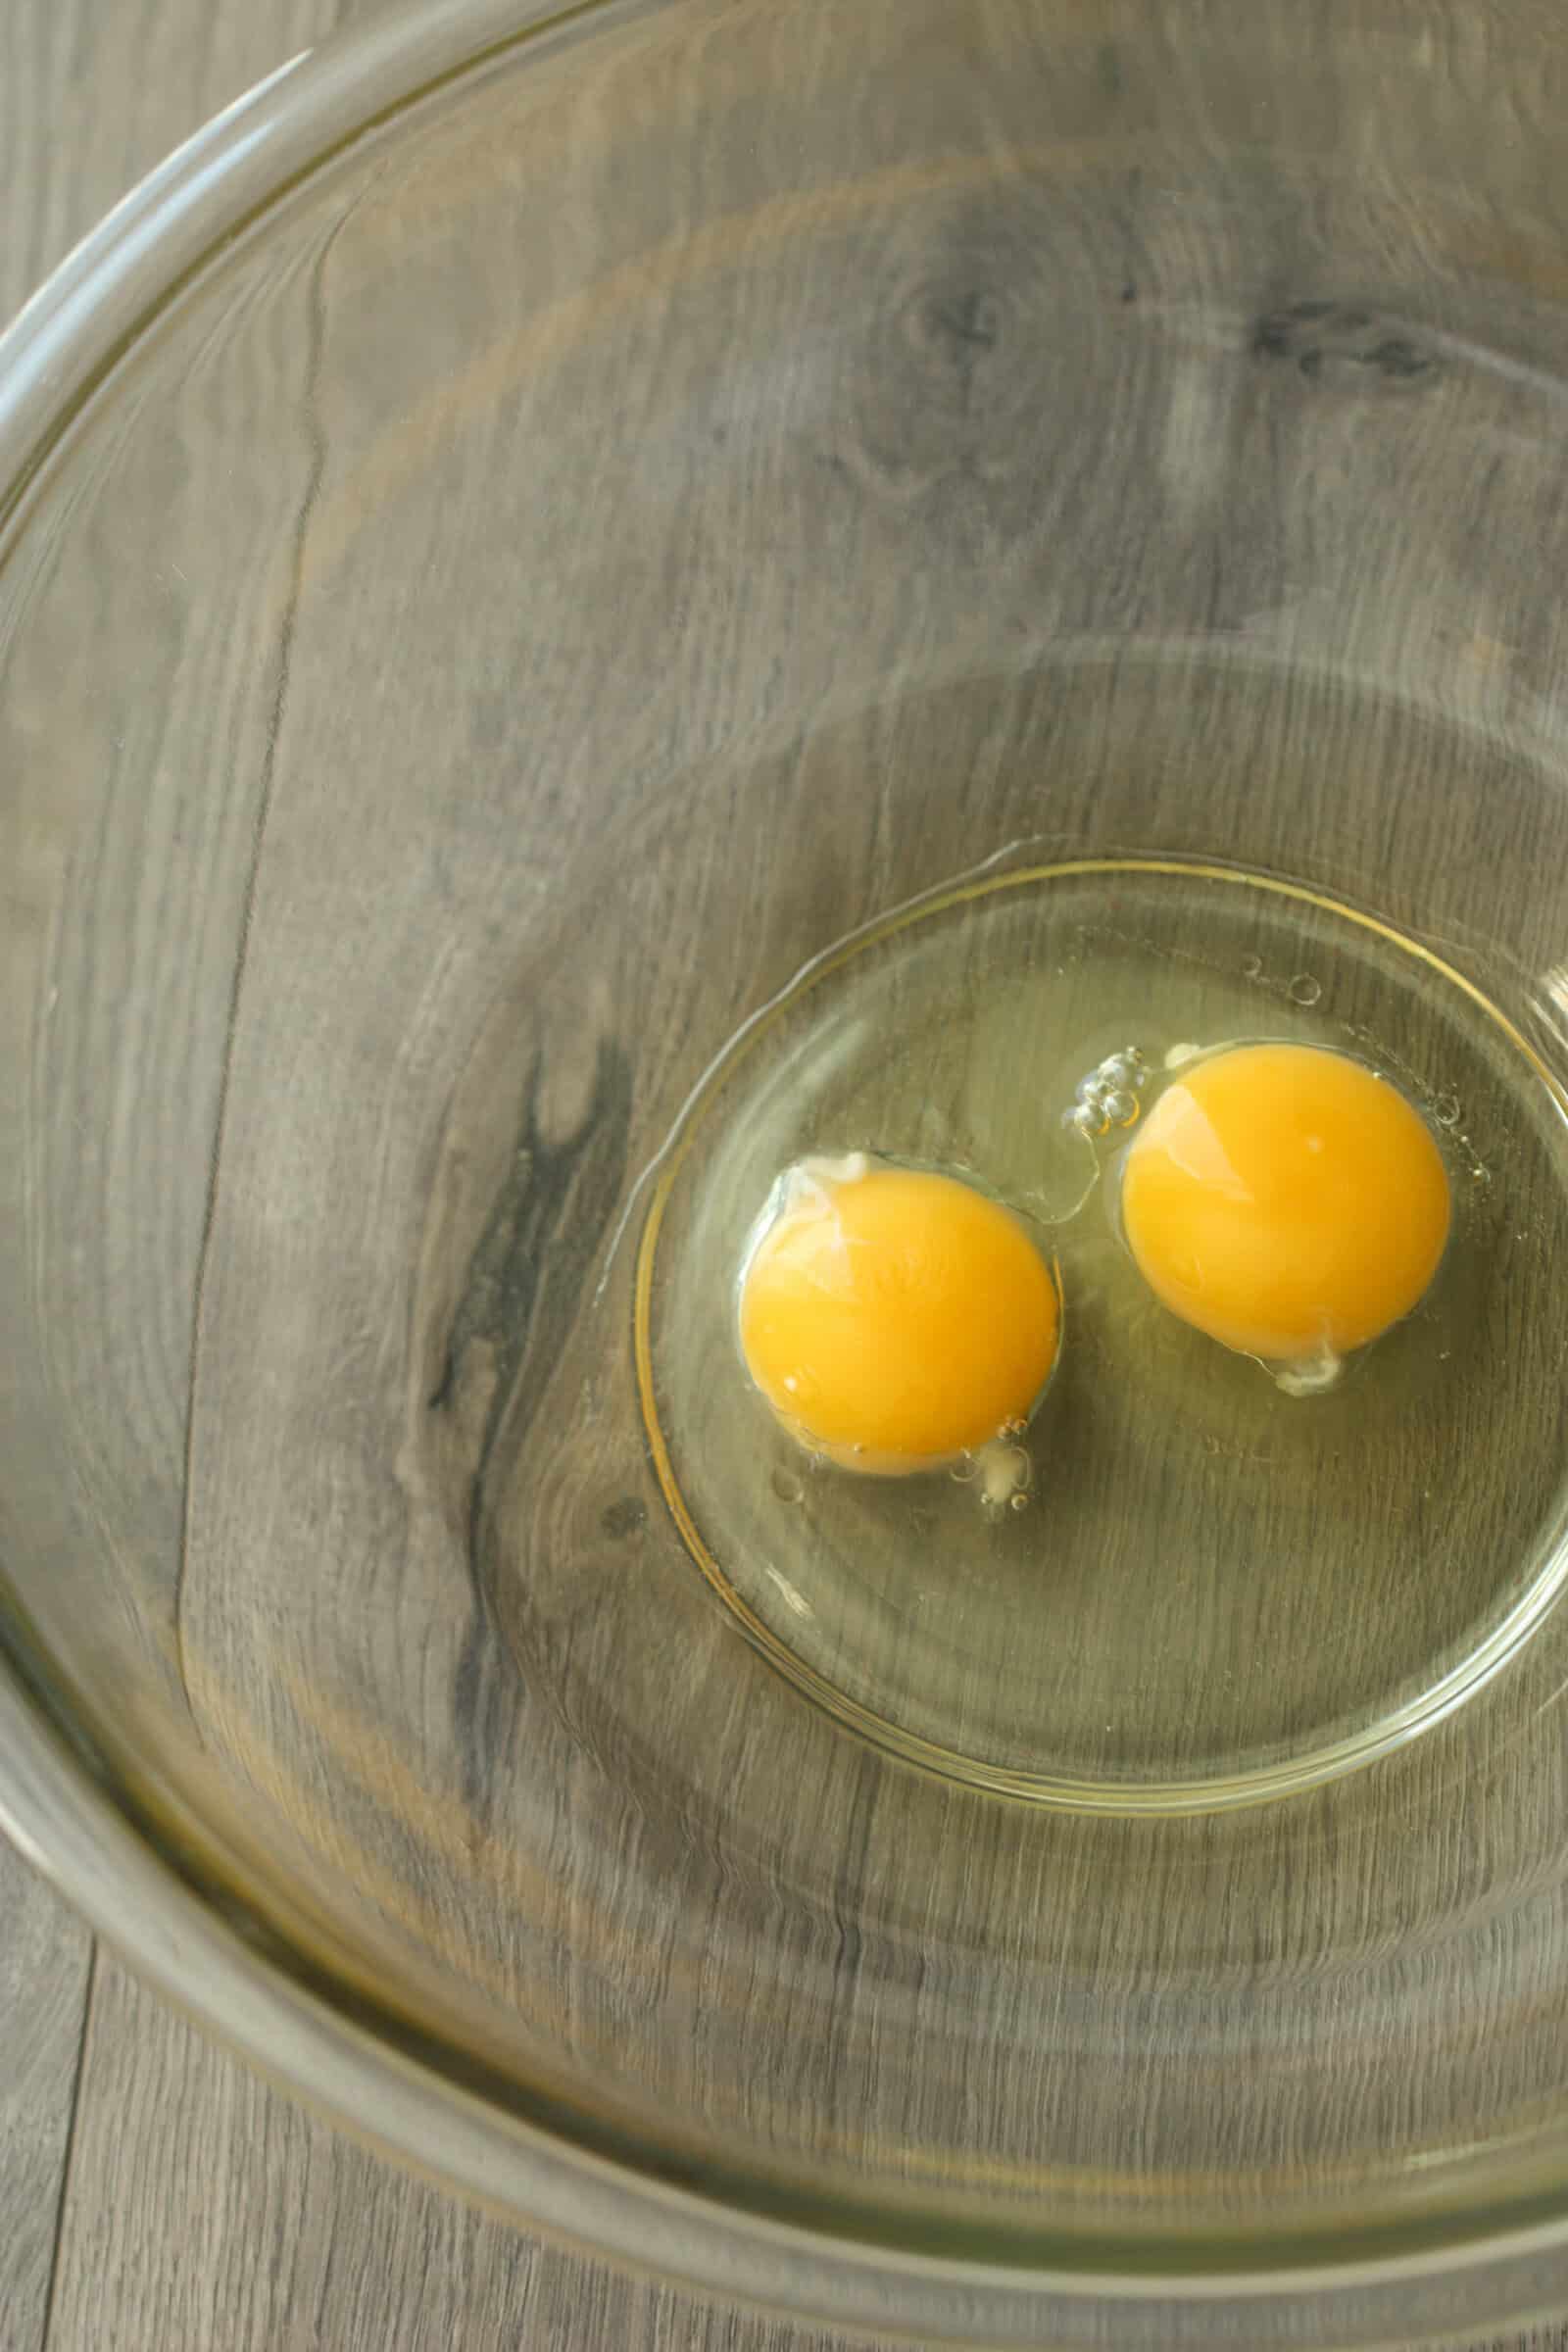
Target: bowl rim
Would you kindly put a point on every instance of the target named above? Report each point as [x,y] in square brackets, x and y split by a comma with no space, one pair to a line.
[68,1824]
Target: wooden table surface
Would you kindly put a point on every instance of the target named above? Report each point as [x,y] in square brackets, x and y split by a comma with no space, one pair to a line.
[154,2196]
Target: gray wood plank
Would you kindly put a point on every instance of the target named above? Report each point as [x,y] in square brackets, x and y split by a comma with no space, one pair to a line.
[89,100]
[209,2214]
[45,1961]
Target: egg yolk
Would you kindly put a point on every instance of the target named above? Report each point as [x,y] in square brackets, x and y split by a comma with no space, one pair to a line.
[1286,1200]
[893,1318]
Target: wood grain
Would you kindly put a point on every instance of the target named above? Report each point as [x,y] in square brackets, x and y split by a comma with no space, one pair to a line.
[207,2211]
[478,1023]
[91,99]
[44,1960]
[490,1106]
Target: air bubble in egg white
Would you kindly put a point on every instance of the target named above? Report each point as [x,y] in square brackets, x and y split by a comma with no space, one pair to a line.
[1004,1471]
[1305,990]
[1107,1097]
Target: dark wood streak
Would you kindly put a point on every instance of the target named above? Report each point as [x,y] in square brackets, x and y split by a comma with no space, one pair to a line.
[540,1242]
[1318,334]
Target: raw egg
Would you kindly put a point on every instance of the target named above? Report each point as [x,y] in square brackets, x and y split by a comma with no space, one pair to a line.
[1286,1200]
[895,1319]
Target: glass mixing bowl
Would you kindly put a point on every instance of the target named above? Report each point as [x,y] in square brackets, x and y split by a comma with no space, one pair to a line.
[535,552]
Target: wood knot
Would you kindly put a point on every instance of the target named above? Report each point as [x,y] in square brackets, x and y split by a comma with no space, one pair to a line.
[956,325]
[1335,338]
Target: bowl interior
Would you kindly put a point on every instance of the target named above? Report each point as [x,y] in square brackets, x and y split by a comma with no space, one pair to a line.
[683,490]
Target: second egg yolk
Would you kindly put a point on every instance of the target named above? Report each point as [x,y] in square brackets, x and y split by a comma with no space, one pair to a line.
[895,1318]
[1286,1200]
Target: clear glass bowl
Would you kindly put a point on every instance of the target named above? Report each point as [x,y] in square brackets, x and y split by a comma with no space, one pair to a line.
[515,546]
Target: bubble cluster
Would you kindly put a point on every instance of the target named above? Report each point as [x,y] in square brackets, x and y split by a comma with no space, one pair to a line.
[1301,988]
[1108,1097]
[1005,1472]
